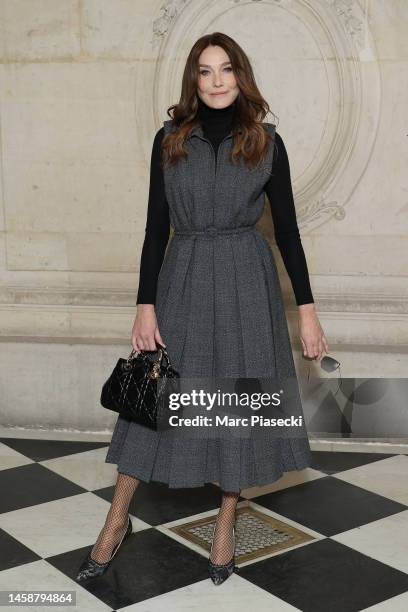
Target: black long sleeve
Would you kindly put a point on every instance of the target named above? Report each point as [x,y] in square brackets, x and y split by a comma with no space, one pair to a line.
[280,196]
[157,229]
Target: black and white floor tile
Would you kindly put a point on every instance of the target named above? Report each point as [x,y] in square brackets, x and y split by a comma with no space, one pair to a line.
[342,525]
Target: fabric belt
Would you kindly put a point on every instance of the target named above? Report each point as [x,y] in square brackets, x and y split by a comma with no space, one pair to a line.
[212,231]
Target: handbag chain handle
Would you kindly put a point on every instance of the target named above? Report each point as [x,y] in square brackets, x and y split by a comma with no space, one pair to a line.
[155,371]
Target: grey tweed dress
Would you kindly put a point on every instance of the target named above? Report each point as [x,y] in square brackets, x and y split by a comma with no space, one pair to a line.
[220,312]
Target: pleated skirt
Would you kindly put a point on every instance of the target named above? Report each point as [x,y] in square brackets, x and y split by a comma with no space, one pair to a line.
[220,312]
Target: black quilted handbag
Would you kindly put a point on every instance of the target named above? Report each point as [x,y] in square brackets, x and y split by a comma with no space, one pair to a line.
[139,387]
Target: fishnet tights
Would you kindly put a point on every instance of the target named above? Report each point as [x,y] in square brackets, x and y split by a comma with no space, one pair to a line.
[223,541]
[116,520]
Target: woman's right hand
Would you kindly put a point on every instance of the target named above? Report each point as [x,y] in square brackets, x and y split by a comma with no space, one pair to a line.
[145,332]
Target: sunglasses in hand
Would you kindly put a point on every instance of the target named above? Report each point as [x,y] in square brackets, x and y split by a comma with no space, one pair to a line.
[328,364]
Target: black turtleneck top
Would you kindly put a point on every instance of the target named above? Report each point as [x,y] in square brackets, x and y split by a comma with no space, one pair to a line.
[216,124]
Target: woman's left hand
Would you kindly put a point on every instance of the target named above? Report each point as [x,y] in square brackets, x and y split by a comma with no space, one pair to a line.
[313,340]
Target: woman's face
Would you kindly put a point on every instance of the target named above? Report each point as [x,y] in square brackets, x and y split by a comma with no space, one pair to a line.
[217,86]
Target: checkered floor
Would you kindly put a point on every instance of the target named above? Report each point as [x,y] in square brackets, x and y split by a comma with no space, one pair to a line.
[333,537]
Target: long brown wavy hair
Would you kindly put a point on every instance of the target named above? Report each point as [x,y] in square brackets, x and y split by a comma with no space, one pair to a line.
[251,139]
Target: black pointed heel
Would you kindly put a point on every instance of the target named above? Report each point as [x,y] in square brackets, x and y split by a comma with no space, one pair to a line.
[220,573]
[90,568]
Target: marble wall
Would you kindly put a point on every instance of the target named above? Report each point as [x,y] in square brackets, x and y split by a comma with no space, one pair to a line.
[84,85]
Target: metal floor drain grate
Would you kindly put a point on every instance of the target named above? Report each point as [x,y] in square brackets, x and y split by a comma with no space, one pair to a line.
[257,534]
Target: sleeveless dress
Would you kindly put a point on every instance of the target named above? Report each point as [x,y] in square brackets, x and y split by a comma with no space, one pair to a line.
[220,312]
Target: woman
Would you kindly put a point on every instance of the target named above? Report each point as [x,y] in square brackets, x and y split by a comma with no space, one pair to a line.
[214,298]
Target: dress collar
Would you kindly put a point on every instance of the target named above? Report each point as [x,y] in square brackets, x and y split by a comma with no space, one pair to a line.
[213,117]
